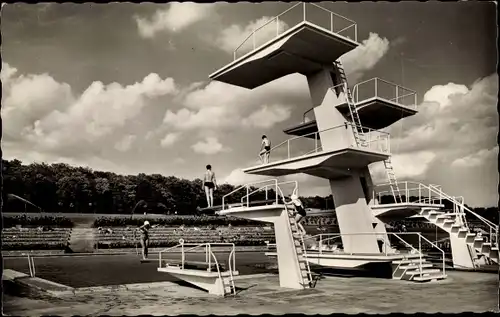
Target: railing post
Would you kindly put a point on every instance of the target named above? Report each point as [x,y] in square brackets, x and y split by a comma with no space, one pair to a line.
[247,197]
[288,146]
[183,256]
[253,38]
[316,142]
[277,26]
[356,32]
[420,252]
[415,100]
[304,6]
[397,86]
[376,88]
[331,21]
[407,192]
[266,193]
[234,55]
[320,245]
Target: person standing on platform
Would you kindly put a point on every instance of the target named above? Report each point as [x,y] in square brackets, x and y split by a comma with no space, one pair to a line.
[265,150]
[300,212]
[209,184]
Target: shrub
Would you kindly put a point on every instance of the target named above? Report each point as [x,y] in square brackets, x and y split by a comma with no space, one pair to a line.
[33,246]
[171,243]
[35,221]
[172,221]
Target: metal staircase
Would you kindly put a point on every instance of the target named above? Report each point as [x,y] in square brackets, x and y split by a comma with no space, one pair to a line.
[300,249]
[452,224]
[359,135]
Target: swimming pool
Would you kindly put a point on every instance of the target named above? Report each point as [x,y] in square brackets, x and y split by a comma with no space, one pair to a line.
[101,270]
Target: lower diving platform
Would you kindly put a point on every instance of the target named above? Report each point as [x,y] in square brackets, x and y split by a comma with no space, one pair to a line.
[211,275]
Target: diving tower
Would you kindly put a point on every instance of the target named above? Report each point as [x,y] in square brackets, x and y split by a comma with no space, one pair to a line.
[337,142]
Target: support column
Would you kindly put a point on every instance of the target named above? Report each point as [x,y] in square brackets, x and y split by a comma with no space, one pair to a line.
[353,215]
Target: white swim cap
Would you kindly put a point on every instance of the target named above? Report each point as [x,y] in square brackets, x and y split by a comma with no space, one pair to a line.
[146,223]
[294,196]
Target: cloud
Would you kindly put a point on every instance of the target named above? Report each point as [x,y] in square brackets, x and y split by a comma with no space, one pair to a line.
[125,143]
[175,18]
[231,37]
[476,159]
[209,146]
[406,166]
[364,57]
[169,139]
[47,116]
[267,116]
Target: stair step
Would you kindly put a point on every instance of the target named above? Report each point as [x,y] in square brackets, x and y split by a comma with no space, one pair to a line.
[429,278]
[423,272]
[411,266]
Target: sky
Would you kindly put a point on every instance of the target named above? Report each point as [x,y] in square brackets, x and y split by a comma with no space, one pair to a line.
[124,87]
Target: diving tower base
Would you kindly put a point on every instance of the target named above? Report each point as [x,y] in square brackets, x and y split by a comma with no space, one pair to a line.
[216,283]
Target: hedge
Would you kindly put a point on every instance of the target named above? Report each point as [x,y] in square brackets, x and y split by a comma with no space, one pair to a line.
[33,246]
[171,243]
[175,221]
[25,221]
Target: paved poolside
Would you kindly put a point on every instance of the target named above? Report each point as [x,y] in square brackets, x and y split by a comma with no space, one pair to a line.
[460,292]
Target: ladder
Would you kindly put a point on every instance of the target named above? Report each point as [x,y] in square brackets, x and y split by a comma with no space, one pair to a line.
[357,128]
[359,136]
[300,250]
[231,288]
[393,183]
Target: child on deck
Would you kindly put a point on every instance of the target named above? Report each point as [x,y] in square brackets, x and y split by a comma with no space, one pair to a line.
[300,212]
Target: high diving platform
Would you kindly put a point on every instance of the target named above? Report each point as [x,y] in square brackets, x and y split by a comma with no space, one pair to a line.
[302,48]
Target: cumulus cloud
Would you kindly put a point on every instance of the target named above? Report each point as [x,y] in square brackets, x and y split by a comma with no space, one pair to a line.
[125,143]
[364,57]
[48,116]
[209,146]
[169,139]
[476,159]
[175,18]
[231,37]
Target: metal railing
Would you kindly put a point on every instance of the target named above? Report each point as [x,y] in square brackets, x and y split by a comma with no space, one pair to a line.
[294,15]
[373,140]
[433,194]
[266,188]
[31,264]
[273,181]
[385,247]
[383,89]
[209,255]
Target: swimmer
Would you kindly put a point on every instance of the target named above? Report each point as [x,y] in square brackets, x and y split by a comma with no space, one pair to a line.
[144,229]
[265,150]
[209,184]
[300,212]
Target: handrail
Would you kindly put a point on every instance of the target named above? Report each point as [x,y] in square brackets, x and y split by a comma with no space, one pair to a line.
[31,264]
[442,252]
[304,115]
[376,80]
[247,187]
[304,19]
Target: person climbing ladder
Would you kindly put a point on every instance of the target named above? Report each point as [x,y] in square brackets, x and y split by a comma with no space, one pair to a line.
[300,212]
[209,184]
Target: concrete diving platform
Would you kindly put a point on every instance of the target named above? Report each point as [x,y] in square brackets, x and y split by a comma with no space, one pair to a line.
[400,210]
[281,47]
[379,104]
[327,164]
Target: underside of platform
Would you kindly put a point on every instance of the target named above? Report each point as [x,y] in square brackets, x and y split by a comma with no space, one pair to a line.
[378,113]
[326,164]
[302,49]
[400,210]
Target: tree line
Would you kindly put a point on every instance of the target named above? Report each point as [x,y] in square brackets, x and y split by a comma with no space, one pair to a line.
[61,188]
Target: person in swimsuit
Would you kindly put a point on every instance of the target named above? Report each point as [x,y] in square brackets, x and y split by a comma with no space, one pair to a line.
[265,150]
[144,230]
[300,211]
[209,183]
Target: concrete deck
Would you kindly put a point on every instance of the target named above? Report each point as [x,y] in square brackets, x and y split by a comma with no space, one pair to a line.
[474,292]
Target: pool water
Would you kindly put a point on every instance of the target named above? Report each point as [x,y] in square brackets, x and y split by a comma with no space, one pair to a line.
[100,270]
